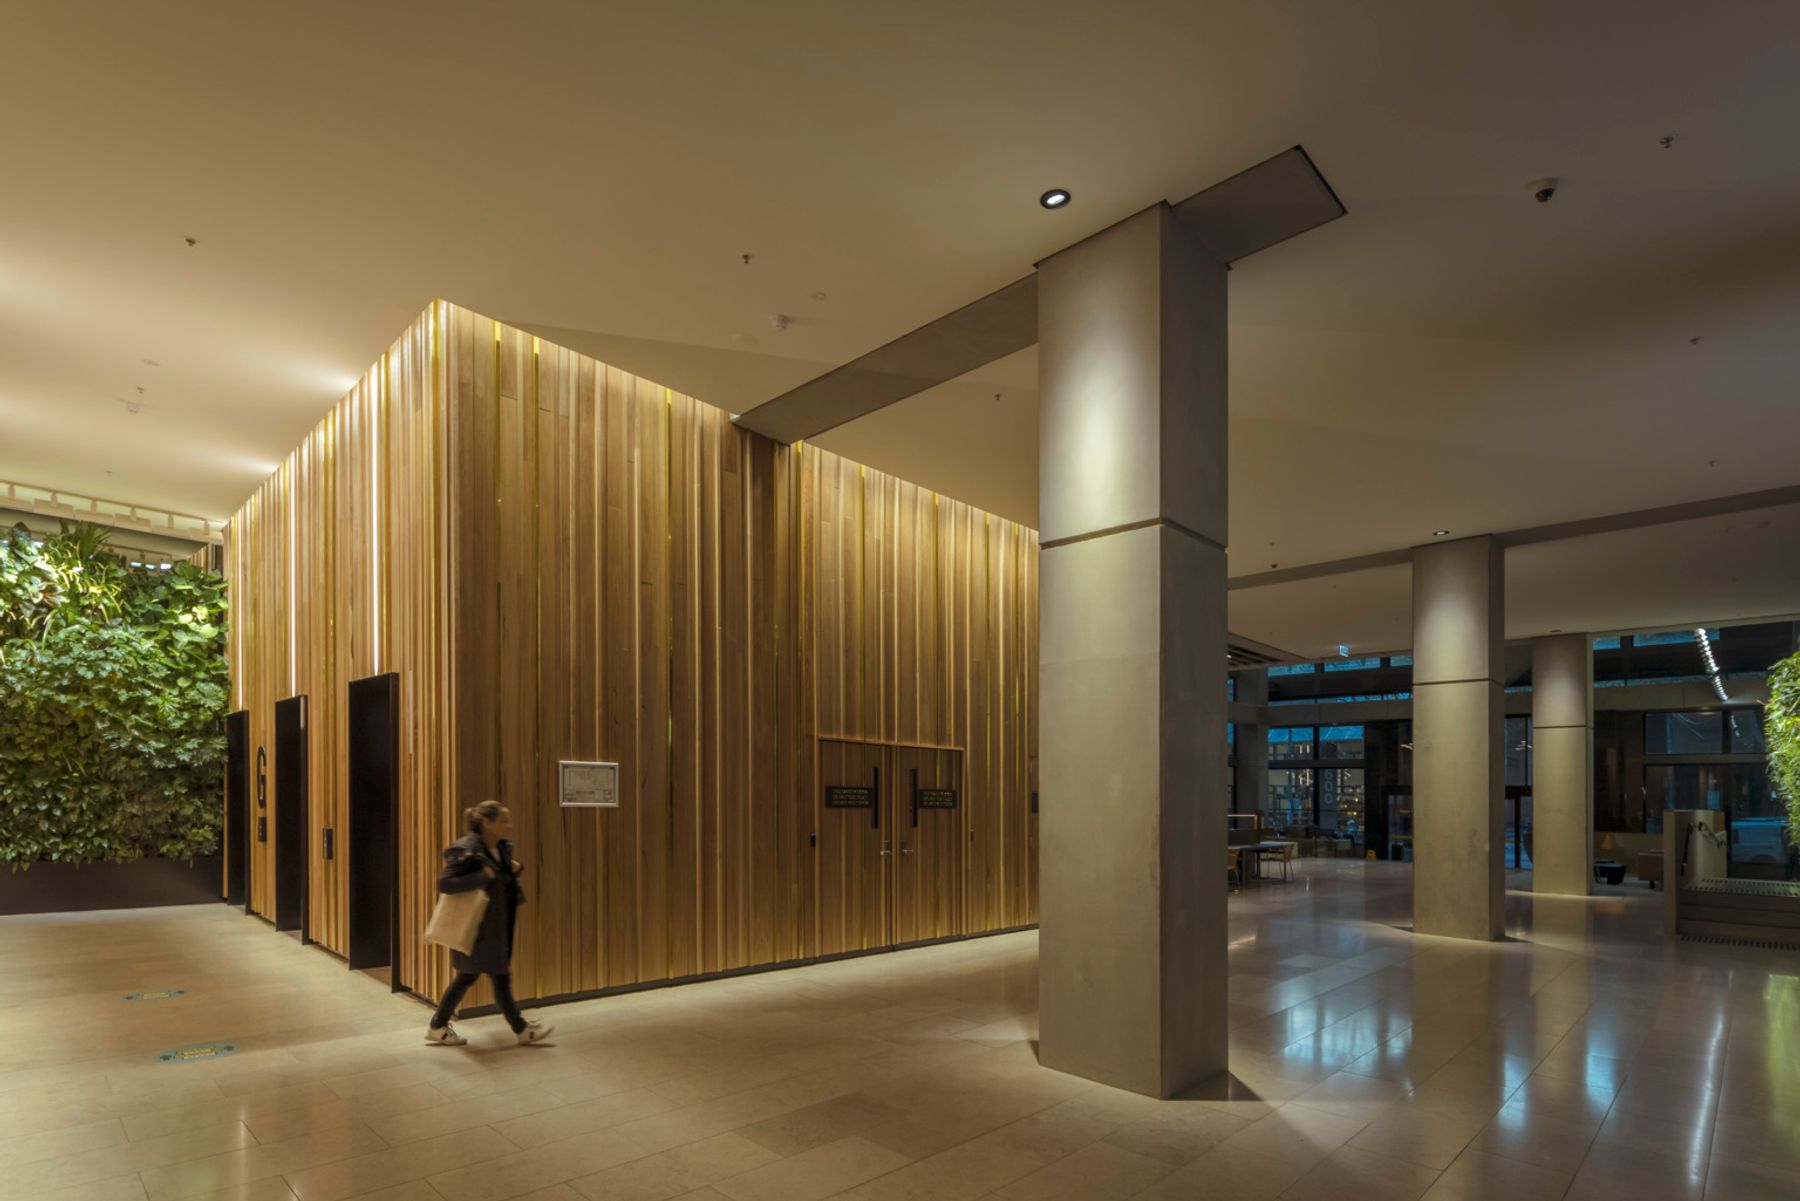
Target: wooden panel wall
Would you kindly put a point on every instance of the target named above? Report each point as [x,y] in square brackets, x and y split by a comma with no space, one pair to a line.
[335,567]
[574,563]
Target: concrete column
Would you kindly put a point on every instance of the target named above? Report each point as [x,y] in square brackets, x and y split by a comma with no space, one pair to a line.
[1459,821]
[1131,364]
[1562,765]
[1252,772]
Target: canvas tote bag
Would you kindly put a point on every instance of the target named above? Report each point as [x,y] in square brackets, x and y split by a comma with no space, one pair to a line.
[457,919]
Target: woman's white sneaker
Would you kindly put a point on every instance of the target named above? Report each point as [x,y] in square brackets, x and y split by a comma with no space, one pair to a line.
[444,1036]
[535,1032]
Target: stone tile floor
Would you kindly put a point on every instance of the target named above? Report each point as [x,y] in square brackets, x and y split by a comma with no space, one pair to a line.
[1585,1058]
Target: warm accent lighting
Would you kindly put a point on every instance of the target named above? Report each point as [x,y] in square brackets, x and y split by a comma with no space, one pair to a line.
[1055,198]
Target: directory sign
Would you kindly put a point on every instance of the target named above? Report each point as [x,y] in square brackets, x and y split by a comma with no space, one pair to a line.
[587,785]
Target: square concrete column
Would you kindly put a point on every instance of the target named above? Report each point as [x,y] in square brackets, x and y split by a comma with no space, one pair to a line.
[1252,774]
[1459,821]
[1562,765]
[1131,361]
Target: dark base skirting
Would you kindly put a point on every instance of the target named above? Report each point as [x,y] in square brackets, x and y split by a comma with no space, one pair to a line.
[474,1011]
[140,884]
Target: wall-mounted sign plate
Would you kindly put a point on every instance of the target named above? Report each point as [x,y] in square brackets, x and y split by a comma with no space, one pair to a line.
[588,785]
[935,798]
[197,1051]
[155,994]
[849,797]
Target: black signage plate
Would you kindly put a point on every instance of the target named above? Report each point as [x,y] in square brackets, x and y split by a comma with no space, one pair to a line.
[935,798]
[849,797]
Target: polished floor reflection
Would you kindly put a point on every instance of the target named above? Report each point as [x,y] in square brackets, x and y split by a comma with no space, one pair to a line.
[1583,1059]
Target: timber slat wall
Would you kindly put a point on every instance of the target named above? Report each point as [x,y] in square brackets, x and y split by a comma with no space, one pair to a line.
[564,561]
[319,598]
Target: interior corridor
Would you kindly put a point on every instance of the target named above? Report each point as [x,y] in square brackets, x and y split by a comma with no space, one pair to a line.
[1583,1058]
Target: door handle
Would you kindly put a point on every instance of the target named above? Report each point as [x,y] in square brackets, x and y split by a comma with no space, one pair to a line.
[885,847]
[905,850]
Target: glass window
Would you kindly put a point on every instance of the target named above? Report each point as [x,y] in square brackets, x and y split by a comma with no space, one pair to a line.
[1341,799]
[1759,825]
[1399,660]
[1341,742]
[1680,786]
[1342,700]
[1290,797]
[1607,644]
[1747,732]
[1291,742]
[1671,638]
[1749,797]
[1519,832]
[1698,733]
[1352,664]
[1293,669]
[1518,751]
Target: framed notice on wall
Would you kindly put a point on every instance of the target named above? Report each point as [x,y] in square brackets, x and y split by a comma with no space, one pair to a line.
[588,785]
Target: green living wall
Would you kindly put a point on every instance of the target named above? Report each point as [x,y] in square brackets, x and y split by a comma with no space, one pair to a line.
[113,686]
[1782,725]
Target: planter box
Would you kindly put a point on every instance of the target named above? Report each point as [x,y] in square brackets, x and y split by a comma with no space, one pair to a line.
[140,884]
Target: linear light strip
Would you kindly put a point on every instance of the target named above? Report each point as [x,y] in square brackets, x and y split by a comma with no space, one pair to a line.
[293,645]
[1712,664]
[376,396]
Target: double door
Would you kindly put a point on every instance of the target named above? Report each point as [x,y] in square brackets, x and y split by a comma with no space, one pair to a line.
[892,838]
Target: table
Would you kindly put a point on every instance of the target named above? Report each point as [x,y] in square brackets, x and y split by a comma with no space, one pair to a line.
[1259,849]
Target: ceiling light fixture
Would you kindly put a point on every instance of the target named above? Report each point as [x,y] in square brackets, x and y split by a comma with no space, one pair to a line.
[1439,533]
[1713,674]
[1055,198]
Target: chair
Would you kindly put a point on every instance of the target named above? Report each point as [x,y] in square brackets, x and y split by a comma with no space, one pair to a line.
[1233,874]
[1289,853]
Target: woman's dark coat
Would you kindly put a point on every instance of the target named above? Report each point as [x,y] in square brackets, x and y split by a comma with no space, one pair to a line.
[463,860]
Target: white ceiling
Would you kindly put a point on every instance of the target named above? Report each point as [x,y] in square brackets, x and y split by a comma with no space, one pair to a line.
[1448,355]
[1712,571]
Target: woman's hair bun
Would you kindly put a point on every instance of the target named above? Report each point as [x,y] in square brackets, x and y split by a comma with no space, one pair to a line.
[486,811]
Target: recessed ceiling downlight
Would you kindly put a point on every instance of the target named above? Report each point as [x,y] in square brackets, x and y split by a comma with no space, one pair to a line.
[1440,533]
[1055,198]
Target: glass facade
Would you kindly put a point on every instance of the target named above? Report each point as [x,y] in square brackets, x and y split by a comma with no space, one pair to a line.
[1341,801]
[1716,759]
[1517,740]
[1684,733]
[1645,761]
[1317,778]
[1291,742]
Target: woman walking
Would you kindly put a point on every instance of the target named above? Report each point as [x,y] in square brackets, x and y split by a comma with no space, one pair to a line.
[482,858]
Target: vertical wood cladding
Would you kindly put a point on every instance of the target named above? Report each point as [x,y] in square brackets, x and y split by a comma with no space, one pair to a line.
[563,561]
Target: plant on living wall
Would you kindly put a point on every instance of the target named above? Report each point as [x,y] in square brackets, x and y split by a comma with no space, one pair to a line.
[113,687]
[1782,726]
